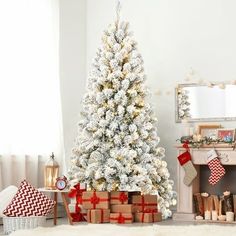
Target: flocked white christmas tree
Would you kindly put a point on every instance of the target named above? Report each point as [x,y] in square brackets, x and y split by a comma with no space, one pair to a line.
[117,143]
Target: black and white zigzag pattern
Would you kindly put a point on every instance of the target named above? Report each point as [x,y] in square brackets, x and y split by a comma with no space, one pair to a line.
[28,201]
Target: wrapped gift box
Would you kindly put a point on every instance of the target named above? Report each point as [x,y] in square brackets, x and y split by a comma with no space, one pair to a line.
[75,193]
[144,203]
[131,194]
[95,200]
[122,208]
[147,217]
[119,198]
[98,216]
[121,218]
[77,212]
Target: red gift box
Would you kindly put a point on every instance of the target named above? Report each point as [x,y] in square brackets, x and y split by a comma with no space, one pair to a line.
[98,216]
[119,198]
[76,192]
[95,200]
[144,203]
[121,218]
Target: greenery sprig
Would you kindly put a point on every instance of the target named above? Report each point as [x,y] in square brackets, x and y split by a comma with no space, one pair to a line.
[205,141]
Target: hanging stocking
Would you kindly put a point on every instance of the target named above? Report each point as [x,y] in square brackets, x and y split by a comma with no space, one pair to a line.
[217,170]
[186,163]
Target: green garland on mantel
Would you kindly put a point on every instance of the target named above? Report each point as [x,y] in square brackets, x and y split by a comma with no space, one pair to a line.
[205,141]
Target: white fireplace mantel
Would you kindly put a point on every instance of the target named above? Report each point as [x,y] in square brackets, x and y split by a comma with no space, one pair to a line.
[185,207]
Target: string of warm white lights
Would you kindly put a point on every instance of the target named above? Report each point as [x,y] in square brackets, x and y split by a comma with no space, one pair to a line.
[193,77]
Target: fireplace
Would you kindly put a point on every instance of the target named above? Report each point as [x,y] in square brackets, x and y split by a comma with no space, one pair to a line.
[185,206]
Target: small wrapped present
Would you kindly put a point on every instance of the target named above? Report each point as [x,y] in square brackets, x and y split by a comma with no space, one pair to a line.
[144,203]
[119,198]
[95,200]
[77,212]
[121,218]
[148,217]
[75,193]
[98,216]
[131,194]
[122,208]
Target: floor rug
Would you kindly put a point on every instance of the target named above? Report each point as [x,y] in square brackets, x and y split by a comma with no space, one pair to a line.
[130,230]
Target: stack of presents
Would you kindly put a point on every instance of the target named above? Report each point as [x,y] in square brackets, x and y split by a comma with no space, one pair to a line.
[114,207]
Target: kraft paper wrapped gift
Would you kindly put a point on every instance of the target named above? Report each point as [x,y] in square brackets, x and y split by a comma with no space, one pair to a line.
[121,218]
[147,217]
[95,200]
[144,203]
[122,208]
[97,216]
[131,194]
[119,198]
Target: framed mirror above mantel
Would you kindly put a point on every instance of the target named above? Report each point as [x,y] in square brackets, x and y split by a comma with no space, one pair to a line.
[205,102]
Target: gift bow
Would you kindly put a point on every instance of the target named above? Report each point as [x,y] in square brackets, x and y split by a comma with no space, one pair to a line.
[95,200]
[121,219]
[122,197]
[76,192]
[185,145]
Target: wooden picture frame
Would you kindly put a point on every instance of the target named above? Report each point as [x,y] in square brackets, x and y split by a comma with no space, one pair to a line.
[227,134]
[209,130]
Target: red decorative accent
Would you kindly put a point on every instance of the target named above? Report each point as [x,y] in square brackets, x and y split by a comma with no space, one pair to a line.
[28,201]
[77,192]
[121,219]
[144,204]
[184,158]
[185,145]
[77,216]
[95,200]
[122,197]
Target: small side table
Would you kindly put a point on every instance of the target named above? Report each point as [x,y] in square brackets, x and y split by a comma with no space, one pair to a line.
[63,196]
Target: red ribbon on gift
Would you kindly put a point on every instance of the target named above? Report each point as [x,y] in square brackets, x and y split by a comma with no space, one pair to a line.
[102,215]
[121,219]
[78,216]
[153,211]
[143,204]
[122,197]
[77,192]
[95,200]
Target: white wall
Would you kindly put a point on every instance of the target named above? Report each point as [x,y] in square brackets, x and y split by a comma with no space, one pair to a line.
[173,35]
[72,65]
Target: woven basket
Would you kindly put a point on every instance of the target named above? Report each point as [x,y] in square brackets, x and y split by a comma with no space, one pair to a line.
[11,224]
